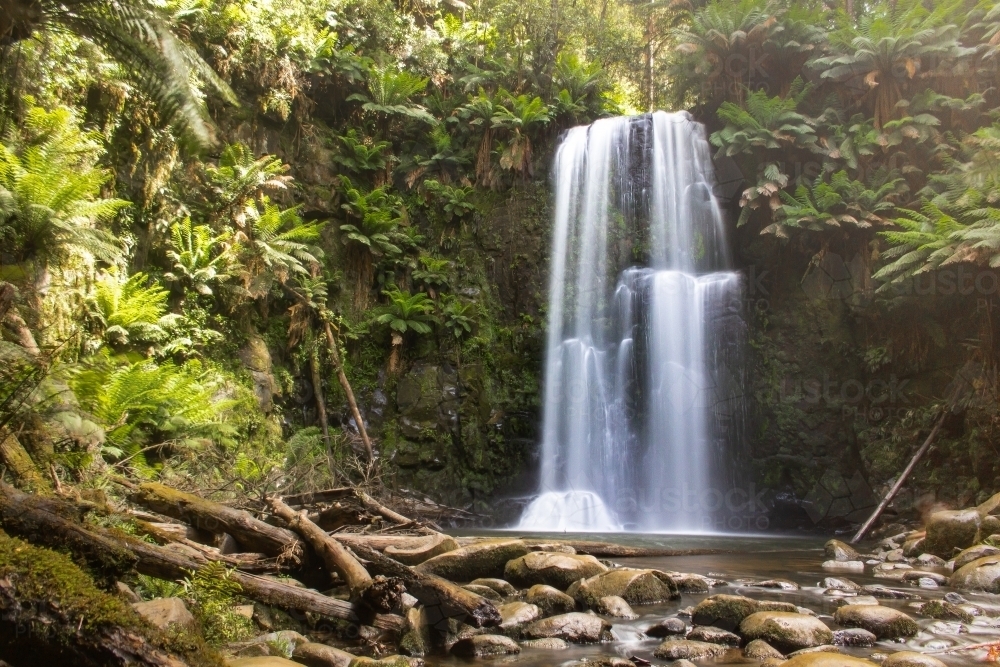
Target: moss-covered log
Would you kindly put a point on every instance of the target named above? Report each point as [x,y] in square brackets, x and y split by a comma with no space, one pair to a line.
[251,533]
[51,613]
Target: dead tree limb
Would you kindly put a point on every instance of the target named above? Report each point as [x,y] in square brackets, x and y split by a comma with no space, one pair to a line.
[251,533]
[342,377]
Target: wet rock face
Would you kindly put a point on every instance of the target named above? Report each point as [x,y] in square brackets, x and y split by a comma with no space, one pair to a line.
[883,622]
[951,530]
[786,631]
[554,569]
[982,574]
[575,627]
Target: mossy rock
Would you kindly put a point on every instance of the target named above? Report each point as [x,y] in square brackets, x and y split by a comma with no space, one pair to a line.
[553,569]
[942,609]
[826,659]
[949,531]
[63,618]
[786,631]
[632,585]
[481,560]
[982,574]
[728,611]
[883,622]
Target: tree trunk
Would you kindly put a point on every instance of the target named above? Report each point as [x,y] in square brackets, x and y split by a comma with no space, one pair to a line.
[19,462]
[317,381]
[335,358]
[849,8]
[251,533]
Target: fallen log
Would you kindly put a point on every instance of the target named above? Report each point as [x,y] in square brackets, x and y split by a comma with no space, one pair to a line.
[315,497]
[442,600]
[251,533]
[177,534]
[53,523]
[612,550]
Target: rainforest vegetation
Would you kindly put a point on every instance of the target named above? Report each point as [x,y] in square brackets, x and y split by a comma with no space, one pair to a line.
[251,247]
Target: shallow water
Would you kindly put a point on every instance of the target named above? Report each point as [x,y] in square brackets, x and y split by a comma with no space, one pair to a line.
[755,558]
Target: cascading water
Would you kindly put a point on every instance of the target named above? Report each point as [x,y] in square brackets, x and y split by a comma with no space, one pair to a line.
[639,396]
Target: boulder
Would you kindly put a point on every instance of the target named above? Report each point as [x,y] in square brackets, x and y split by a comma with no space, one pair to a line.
[949,531]
[558,547]
[548,644]
[434,545]
[164,612]
[786,631]
[481,646]
[974,553]
[685,649]
[883,622]
[930,560]
[759,649]
[320,655]
[555,569]
[713,635]
[667,628]
[779,584]
[615,607]
[483,559]
[982,574]
[840,584]
[854,637]
[840,551]
[826,659]
[691,583]
[550,600]
[728,611]
[499,585]
[262,661]
[942,609]
[574,627]
[911,659]
[633,586]
[518,613]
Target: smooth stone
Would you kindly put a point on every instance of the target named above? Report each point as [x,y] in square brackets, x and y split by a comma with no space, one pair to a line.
[759,649]
[786,631]
[728,611]
[388,661]
[550,600]
[780,584]
[912,659]
[824,659]
[944,610]
[917,575]
[857,599]
[840,551]
[435,545]
[883,622]
[886,593]
[632,585]
[548,644]
[930,560]
[164,612]
[913,546]
[824,648]
[666,628]
[846,565]
[837,583]
[982,574]
[895,556]
[127,593]
[556,547]
[949,531]
[854,637]
[499,585]
[574,627]
[691,583]
[516,613]
[262,661]
[974,553]
[554,569]
[614,606]
[685,649]
[320,655]
[484,591]
[481,646]
[480,560]
[713,635]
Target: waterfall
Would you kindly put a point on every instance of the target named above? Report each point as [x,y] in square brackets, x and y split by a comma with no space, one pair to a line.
[642,374]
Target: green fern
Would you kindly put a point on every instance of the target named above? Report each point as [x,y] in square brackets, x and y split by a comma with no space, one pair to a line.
[133,310]
[200,256]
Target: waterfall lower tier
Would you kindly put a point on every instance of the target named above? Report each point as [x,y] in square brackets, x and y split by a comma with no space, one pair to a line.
[643,373]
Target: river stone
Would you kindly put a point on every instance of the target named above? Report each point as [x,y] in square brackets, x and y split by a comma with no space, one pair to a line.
[484,559]
[633,586]
[685,649]
[607,661]
[840,551]
[575,627]
[840,584]
[949,531]
[517,613]
[666,628]
[913,547]
[713,635]
[555,569]
[321,655]
[930,560]
[982,574]
[759,649]
[484,591]
[886,593]
[786,631]
[844,565]
[780,584]
[481,646]
[728,611]
[263,661]
[974,553]
[548,644]
[550,600]
[944,610]
[388,661]
[690,583]
[824,659]
[884,622]
[434,545]
[917,575]
[614,606]
[911,659]
[164,612]
[557,547]
[499,585]
[854,637]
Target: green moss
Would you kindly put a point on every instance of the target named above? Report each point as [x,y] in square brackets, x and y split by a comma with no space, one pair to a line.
[49,582]
[945,610]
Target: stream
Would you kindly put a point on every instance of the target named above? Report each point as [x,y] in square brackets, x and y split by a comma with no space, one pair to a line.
[753,558]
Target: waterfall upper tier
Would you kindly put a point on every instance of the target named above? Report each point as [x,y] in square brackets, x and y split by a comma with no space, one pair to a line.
[642,375]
